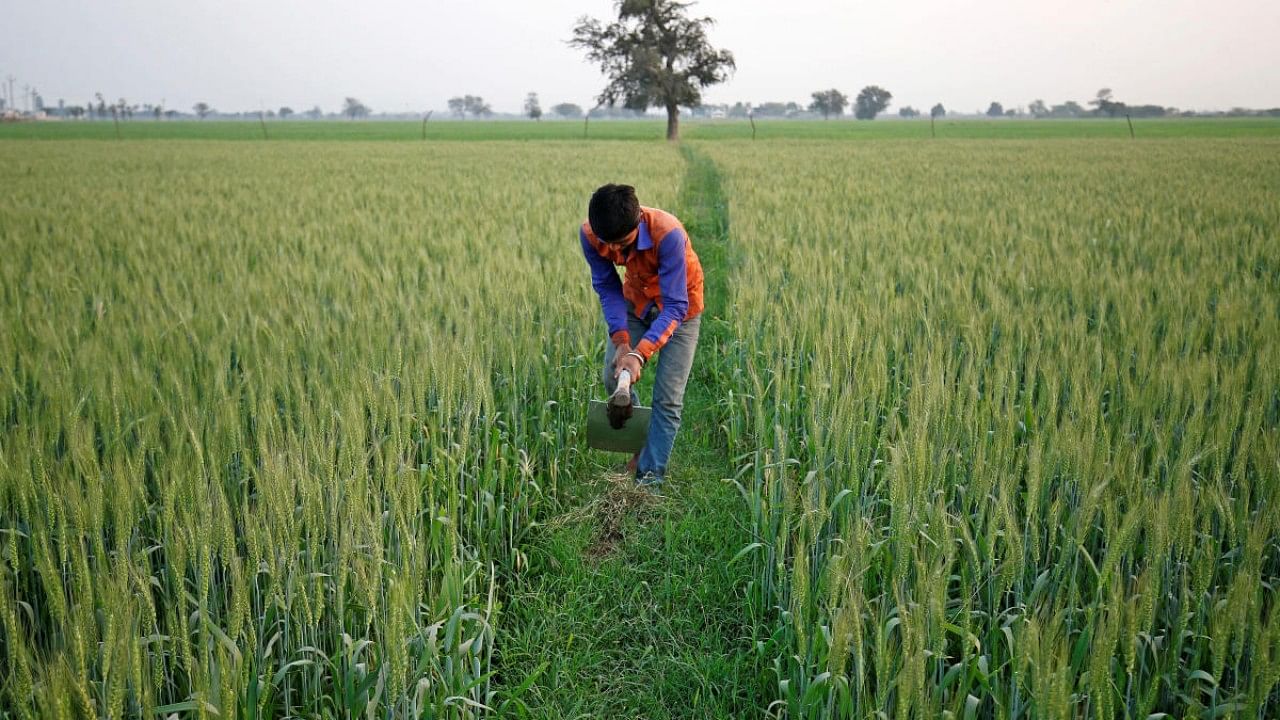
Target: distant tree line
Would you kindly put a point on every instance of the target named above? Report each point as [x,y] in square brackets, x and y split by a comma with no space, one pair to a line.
[868,104]
[1104,104]
[469,104]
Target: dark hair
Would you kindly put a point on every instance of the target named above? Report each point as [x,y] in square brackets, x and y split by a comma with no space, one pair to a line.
[614,211]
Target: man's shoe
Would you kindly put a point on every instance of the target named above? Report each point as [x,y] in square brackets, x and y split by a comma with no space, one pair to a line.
[650,481]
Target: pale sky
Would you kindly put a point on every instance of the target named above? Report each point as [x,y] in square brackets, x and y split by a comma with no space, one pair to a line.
[401,55]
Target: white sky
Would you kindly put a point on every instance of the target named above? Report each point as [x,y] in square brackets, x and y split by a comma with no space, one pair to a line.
[398,55]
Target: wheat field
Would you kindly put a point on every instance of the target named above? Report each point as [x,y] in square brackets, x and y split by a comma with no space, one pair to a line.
[978,428]
[271,417]
[1009,424]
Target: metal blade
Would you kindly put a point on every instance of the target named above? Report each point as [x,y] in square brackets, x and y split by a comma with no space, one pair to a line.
[629,438]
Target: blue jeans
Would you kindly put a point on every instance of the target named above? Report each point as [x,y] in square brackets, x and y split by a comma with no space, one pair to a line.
[670,377]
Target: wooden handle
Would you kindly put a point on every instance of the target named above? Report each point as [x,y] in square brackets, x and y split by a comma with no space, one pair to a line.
[622,393]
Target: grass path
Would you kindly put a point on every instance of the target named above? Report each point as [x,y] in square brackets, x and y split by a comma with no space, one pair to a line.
[631,606]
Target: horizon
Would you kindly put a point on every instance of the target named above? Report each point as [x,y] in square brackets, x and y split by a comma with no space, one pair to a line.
[242,58]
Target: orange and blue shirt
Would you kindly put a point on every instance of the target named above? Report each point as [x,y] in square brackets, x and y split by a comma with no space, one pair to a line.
[661,268]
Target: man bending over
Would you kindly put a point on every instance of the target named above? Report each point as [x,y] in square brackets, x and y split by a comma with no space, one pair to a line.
[654,309]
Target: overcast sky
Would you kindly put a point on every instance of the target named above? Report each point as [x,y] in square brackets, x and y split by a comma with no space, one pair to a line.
[402,55]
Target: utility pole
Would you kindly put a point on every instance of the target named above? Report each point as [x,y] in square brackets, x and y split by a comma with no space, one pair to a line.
[13,102]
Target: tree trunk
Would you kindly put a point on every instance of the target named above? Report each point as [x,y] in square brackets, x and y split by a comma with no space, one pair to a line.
[673,122]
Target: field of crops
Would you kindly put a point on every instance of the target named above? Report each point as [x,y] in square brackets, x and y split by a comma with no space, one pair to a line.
[1009,424]
[285,426]
[269,418]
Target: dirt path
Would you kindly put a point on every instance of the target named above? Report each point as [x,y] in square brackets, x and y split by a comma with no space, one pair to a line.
[631,606]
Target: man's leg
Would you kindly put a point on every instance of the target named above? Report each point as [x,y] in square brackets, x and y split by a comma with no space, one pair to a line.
[675,359]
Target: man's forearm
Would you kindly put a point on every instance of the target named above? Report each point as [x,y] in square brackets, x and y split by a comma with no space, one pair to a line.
[667,322]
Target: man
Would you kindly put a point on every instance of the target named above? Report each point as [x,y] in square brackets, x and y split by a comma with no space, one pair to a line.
[657,307]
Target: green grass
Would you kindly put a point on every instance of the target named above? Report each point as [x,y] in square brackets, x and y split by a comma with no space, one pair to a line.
[437,129]
[443,129]
[633,607]
[999,129]
[652,621]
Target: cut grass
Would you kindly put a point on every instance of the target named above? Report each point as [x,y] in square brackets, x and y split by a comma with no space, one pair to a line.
[632,608]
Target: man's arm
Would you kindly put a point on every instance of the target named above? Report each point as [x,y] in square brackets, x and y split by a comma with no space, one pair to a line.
[604,278]
[675,293]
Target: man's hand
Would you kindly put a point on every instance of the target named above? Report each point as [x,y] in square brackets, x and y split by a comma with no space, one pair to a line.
[626,359]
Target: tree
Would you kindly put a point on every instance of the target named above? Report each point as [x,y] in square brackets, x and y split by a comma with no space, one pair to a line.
[995,109]
[908,112]
[1038,108]
[201,109]
[773,109]
[871,101]
[315,113]
[1105,105]
[473,104]
[477,106]
[532,107]
[567,110]
[285,112]
[829,102]
[1068,109]
[938,111]
[353,108]
[1150,111]
[654,55]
